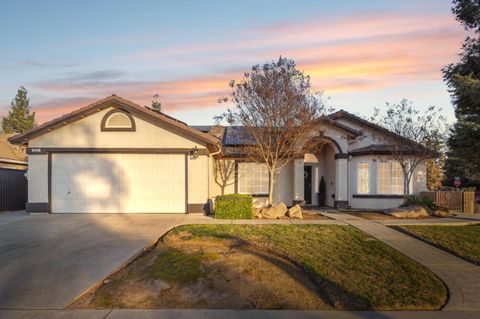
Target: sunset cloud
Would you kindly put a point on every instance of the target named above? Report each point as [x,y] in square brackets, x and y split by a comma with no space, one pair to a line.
[351,53]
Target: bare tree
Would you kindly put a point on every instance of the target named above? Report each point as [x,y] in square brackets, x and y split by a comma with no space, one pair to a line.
[224,173]
[418,132]
[277,109]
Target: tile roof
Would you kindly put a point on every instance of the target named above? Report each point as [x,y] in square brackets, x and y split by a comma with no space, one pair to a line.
[382,149]
[102,104]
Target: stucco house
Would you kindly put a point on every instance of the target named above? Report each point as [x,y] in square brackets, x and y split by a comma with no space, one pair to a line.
[114,156]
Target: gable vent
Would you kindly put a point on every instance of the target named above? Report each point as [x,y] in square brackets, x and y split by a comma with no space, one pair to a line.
[118,120]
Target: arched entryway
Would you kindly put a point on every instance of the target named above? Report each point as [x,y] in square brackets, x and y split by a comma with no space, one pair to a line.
[320,165]
[328,159]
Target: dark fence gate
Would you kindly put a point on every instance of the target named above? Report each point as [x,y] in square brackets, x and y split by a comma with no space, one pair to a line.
[13,189]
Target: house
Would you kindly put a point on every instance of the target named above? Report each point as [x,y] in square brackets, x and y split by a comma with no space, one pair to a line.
[12,156]
[114,156]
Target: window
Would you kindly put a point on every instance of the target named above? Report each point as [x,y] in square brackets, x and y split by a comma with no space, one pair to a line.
[383,177]
[118,120]
[363,178]
[397,178]
[253,178]
[390,178]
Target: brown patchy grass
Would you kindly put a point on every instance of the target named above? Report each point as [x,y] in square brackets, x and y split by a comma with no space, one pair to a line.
[270,267]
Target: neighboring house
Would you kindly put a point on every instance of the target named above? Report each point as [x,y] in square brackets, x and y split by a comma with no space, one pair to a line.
[12,156]
[114,156]
[13,166]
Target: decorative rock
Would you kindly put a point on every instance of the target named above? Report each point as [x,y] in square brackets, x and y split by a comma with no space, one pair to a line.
[258,213]
[442,212]
[295,212]
[275,212]
[408,212]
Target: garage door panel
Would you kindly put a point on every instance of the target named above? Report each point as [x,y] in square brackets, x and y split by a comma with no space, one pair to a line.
[118,183]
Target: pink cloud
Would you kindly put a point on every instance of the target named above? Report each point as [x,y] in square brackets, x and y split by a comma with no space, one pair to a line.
[349,54]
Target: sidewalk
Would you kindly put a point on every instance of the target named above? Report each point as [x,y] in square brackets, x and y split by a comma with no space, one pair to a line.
[232,314]
[462,278]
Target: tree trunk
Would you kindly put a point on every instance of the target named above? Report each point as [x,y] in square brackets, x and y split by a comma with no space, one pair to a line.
[270,187]
[406,190]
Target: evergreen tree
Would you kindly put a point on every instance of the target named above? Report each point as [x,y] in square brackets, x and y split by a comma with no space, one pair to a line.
[19,118]
[156,105]
[463,80]
[435,166]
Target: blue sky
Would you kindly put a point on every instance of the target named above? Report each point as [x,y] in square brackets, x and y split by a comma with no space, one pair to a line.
[361,53]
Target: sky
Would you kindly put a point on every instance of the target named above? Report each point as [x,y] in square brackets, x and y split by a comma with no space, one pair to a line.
[361,54]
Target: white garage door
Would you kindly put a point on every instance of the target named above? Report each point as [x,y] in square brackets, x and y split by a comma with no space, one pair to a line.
[118,183]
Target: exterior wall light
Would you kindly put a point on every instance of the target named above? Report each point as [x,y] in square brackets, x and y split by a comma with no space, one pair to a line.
[194,152]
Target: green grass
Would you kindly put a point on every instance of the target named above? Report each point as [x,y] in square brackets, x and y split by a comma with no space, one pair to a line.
[175,266]
[352,269]
[463,241]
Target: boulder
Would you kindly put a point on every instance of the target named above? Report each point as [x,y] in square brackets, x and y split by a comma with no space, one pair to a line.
[258,213]
[295,212]
[442,212]
[275,212]
[408,212]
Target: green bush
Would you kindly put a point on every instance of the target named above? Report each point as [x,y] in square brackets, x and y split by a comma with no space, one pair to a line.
[415,200]
[234,206]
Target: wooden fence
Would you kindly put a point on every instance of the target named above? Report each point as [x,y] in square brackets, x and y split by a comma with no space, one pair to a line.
[13,189]
[453,200]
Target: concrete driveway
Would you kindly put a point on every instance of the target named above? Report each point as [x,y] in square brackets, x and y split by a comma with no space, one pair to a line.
[48,260]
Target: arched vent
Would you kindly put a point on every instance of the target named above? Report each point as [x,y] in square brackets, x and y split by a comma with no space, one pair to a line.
[118,120]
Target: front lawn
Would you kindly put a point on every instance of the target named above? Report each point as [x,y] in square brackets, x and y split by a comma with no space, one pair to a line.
[463,241]
[270,267]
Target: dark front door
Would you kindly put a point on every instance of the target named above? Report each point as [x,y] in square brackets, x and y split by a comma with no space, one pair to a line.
[307,173]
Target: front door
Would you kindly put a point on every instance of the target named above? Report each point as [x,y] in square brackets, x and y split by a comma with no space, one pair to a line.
[307,195]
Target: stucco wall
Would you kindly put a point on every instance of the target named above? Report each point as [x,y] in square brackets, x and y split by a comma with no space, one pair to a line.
[37,176]
[198,179]
[216,181]
[86,133]
[369,136]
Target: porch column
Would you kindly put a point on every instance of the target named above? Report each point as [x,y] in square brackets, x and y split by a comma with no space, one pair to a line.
[341,180]
[298,180]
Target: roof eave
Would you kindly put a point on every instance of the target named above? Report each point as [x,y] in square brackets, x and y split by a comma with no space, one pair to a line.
[23,138]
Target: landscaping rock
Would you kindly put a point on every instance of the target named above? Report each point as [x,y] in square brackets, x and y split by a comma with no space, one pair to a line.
[408,212]
[257,213]
[295,212]
[275,212]
[442,212]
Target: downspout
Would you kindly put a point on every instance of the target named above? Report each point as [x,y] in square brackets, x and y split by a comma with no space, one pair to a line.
[348,179]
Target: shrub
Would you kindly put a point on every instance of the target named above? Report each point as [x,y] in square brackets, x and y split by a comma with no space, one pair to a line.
[234,206]
[415,200]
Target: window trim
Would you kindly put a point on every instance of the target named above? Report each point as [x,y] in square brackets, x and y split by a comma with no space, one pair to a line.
[105,118]
[390,178]
[237,177]
[368,178]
